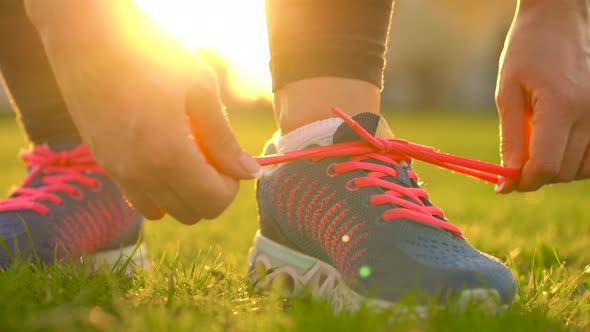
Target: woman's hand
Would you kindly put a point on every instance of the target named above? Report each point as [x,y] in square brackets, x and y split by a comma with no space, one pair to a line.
[129,87]
[543,94]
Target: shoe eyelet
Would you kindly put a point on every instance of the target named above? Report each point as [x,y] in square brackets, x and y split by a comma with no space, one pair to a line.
[330,171]
[379,220]
[351,186]
[78,195]
[97,187]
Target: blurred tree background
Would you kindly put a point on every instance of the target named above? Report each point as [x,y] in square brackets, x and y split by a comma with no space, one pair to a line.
[443,54]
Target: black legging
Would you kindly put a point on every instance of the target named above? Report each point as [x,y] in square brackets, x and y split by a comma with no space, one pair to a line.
[314,38]
[29,80]
[308,38]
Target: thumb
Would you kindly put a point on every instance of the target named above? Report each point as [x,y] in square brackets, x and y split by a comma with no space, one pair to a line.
[214,135]
[515,131]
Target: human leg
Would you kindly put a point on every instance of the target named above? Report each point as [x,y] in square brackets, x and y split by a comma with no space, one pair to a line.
[29,81]
[66,206]
[358,228]
[326,53]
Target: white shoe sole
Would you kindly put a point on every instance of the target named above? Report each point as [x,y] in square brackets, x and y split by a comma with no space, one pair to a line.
[272,265]
[125,258]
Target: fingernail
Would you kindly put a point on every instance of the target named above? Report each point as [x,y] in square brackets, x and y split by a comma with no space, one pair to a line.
[500,185]
[160,212]
[250,165]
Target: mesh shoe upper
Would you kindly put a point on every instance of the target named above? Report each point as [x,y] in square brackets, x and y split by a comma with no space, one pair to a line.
[310,208]
[65,207]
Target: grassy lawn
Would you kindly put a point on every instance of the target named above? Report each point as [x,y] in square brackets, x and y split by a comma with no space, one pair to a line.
[197,280]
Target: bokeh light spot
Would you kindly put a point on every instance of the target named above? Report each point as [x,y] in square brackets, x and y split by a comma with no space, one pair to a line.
[364,271]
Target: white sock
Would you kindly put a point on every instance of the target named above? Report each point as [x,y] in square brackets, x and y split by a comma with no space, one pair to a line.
[319,132]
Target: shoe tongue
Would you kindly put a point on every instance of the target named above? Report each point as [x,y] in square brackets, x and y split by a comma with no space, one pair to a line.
[373,123]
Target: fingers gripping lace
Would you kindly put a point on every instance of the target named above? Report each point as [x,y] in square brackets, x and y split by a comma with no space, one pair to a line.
[392,151]
[58,170]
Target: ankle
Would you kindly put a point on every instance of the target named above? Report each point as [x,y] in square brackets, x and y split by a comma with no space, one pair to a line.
[306,101]
[317,133]
[61,145]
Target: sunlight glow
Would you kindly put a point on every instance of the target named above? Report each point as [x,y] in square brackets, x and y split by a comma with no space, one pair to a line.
[233,29]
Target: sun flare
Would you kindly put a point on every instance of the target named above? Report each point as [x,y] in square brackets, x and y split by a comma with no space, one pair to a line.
[234,30]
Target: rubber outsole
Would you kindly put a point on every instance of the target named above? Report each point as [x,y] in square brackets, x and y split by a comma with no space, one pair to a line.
[274,266]
[126,258]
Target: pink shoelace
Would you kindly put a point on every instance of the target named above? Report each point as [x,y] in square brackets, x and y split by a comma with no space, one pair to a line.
[391,151]
[57,170]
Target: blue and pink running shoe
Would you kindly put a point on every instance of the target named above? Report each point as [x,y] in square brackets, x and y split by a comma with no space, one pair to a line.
[343,218]
[67,208]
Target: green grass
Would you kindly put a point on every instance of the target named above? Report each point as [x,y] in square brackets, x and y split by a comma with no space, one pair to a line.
[198,282]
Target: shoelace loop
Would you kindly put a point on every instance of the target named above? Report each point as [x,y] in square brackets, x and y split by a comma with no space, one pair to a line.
[394,150]
[57,170]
